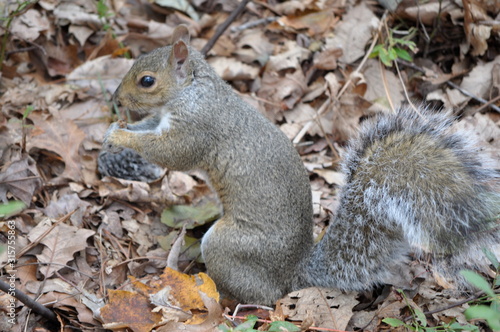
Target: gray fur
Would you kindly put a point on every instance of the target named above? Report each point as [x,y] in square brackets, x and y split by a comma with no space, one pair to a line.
[409,182]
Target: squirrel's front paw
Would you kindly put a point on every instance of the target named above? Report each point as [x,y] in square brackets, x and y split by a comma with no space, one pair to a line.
[111,141]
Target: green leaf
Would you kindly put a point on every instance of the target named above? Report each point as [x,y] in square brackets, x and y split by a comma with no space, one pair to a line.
[385,58]
[248,325]
[491,316]
[420,316]
[280,326]
[223,328]
[10,208]
[191,248]
[492,258]
[176,216]
[376,51]
[458,327]
[394,322]
[478,281]
[403,54]
[27,111]
[393,55]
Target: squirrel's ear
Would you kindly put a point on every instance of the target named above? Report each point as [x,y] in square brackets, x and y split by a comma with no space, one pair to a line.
[181,32]
[180,52]
[178,59]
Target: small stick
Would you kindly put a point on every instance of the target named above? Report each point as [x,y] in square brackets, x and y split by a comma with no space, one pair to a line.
[221,28]
[29,302]
[453,85]
[255,23]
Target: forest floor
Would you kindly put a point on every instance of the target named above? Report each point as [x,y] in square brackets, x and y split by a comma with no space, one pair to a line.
[91,248]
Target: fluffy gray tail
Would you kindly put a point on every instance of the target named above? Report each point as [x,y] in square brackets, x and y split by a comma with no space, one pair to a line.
[412,183]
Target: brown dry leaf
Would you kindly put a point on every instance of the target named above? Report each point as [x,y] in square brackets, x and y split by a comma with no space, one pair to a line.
[61,137]
[293,6]
[427,12]
[29,25]
[327,59]
[178,296]
[282,93]
[353,33]
[254,46]
[477,82]
[316,23]
[81,33]
[129,310]
[347,116]
[212,320]
[66,204]
[104,73]
[330,176]
[290,56]
[92,117]
[71,13]
[185,288]
[329,308]
[304,113]
[477,34]
[129,191]
[59,245]
[231,69]
[379,83]
[21,179]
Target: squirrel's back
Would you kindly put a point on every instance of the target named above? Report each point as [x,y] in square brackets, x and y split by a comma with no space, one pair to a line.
[411,181]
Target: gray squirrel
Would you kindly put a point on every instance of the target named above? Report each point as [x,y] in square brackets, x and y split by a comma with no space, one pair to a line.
[410,182]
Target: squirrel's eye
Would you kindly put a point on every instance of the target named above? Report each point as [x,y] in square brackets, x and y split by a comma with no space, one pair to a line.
[147,81]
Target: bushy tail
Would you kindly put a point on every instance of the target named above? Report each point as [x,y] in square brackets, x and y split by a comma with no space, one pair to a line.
[411,182]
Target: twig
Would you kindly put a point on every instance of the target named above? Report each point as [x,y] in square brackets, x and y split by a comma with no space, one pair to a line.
[468,94]
[29,302]
[221,28]
[255,23]
[406,91]
[453,305]
[453,85]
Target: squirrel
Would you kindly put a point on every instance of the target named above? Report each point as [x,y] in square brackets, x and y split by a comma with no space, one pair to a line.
[410,182]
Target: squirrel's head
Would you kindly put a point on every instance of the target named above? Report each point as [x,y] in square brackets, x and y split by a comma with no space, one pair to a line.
[157,76]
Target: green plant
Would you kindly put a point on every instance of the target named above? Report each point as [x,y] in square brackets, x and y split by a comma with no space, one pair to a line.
[249,324]
[394,48]
[10,208]
[104,14]
[489,309]
[419,321]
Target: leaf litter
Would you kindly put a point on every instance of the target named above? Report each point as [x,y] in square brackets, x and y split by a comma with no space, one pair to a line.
[95,247]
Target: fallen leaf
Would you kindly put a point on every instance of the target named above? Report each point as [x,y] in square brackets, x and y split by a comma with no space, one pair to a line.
[231,69]
[185,288]
[129,310]
[316,22]
[66,204]
[177,216]
[21,179]
[290,56]
[60,245]
[331,308]
[353,33]
[29,25]
[61,137]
